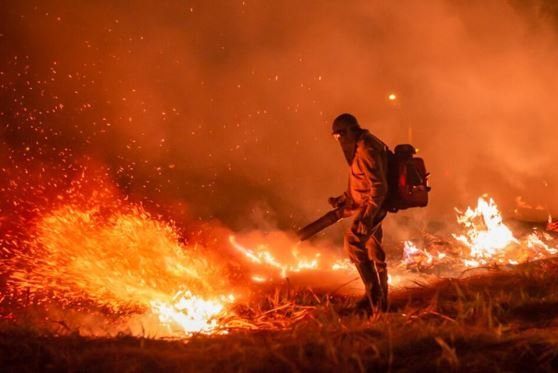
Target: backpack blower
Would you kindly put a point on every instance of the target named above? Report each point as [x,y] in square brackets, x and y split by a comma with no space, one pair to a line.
[408,187]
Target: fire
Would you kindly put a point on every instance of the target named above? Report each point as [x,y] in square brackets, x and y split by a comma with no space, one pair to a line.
[486,240]
[123,262]
[420,259]
[486,234]
[119,259]
[535,242]
[190,313]
[330,267]
[262,255]
[343,265]
[100,254]
[264,260]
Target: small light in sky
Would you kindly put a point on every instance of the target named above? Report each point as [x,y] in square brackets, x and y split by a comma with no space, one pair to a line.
[392,97]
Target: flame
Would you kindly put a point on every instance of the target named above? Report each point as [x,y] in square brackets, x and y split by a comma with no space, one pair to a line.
[264,259]
[191,313]
[123,262]
[258,278]
[486,241]
[343,265]
[262,255]
[535,242]
[420,259]
[486,233]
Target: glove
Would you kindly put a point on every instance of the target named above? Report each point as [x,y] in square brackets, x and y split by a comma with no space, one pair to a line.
[362,228]
[337,202]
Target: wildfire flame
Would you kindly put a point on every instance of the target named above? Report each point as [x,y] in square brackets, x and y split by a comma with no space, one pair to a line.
[116,258]
[263,256]
[191,313]
[122,260]
[126,261]
[419,258]
[486,240]
[486,234]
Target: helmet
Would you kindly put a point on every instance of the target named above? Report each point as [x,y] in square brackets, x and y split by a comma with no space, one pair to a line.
[343,123]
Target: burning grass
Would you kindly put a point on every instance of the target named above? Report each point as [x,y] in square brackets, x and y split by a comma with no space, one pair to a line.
[96,266]
[100,253]
[118,261]
[502,320]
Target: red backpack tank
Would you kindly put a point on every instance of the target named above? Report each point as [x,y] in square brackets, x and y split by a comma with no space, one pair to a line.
[408,184]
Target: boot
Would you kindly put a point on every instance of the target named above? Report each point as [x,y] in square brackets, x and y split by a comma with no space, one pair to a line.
[378,294]
[372,295]
[383,303]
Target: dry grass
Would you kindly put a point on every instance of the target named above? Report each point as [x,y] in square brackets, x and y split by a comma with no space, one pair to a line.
[501,321]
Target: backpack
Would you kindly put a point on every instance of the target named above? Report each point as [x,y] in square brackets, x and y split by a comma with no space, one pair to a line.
[408,184]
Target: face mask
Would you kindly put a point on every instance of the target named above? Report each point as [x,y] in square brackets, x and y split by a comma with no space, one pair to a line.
[348,145]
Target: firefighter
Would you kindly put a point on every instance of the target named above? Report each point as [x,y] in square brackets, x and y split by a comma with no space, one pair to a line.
[366,156]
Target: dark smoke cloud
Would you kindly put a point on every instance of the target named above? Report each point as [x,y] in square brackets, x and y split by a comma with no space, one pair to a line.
[221,109]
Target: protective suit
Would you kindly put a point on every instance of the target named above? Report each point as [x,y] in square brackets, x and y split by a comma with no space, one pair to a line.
[367,190]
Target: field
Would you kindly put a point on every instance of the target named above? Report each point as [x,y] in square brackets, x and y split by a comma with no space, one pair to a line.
[158,160]
[505,319]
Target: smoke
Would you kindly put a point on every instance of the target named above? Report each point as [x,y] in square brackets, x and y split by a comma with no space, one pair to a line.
[222,109]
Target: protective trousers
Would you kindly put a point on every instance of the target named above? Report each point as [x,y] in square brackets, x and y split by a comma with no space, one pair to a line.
[366,252]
